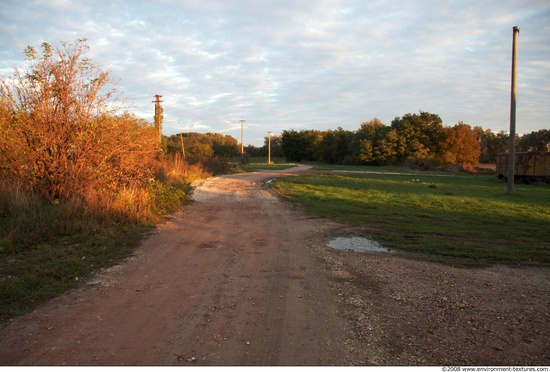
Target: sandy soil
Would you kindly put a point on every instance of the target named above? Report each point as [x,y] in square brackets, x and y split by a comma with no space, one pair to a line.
[240,278]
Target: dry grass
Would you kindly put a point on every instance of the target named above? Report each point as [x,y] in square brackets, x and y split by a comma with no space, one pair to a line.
[42,243]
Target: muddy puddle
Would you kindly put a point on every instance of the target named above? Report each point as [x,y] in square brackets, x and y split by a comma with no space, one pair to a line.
[356,244]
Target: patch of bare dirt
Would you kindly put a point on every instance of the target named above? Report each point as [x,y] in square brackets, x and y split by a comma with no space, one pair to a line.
[240,278]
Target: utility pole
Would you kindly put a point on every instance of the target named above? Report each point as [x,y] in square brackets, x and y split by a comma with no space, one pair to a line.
[242,138]
[512,149]
[269,147]
[158,117]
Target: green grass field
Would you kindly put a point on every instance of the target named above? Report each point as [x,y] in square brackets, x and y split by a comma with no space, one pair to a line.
[446,217]
[359,168]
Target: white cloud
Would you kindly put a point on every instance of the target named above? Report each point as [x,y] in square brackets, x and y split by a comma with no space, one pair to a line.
[302,64]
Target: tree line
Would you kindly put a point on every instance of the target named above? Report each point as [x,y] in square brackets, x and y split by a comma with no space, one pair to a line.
[197,146]
[194,145]
[420,138]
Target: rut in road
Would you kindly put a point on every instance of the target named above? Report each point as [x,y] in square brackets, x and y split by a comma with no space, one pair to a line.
[229,280]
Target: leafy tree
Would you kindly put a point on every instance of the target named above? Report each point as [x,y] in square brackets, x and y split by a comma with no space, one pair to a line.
[536,141]
[303,145]
[389,148]
[203,145]
[224,146]
[368,145]
[255,151]
[313,140]
[461,145]
[421,138]
[197,145]
[276,148]
[294,145]
[485,139]
[419,135]
[334,146]
[60,130]
[492,144]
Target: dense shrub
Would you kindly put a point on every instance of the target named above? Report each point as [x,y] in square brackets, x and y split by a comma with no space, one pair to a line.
[69,161]
[60,131]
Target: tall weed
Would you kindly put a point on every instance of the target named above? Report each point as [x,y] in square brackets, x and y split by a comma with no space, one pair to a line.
[26,219]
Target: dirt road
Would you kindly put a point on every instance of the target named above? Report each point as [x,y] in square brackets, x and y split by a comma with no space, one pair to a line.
[240,278]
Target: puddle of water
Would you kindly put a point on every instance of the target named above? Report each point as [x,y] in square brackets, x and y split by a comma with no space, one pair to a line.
[356,244]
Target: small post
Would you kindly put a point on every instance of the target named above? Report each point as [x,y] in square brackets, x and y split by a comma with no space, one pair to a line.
[512,149]
[269,147]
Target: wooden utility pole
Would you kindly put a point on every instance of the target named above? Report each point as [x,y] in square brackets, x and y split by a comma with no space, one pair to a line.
[242,137]
[269,147]
[512,149]
[158,117]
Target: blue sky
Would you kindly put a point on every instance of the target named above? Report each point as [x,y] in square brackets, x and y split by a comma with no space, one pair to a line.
[303,64]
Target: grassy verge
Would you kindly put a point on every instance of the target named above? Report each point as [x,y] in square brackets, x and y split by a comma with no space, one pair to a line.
[468,218]
[261,164]
[46,249]
[44,270]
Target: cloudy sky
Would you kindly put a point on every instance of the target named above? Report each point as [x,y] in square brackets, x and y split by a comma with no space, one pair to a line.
[303,64]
